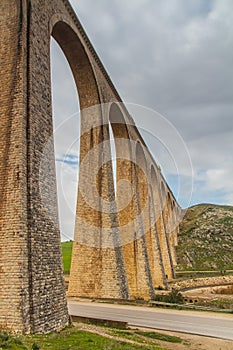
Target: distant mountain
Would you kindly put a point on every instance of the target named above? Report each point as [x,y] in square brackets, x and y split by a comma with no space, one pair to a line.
[206,238]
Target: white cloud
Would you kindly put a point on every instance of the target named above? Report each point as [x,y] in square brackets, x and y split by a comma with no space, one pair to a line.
[218,179]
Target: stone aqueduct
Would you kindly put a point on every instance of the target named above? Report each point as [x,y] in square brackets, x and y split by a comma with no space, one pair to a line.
[32,293]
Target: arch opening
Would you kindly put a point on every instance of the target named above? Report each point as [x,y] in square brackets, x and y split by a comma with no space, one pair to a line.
[66,126]
[158,191]
[121,156]
[142,178]
[70,71]
[79,63]
[113,157]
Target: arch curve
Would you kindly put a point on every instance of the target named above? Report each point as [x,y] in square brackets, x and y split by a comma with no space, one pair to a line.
[79,62]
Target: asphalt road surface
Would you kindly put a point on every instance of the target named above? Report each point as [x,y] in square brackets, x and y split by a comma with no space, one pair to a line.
[194,322]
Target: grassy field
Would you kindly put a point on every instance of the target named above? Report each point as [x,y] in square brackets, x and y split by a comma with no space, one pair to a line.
[74,338]
[66,254]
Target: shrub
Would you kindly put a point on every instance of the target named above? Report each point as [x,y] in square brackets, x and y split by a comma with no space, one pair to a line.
[174,297]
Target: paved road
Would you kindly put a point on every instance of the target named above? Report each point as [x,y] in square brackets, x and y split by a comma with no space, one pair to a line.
[194,322]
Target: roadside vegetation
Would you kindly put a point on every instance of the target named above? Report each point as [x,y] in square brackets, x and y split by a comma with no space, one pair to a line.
[94,337]
[11,342]
[223,304]
[174,297]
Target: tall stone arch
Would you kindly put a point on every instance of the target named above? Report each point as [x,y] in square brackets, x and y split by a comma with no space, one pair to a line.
[124,202]
[177,218]
[32,293]
[175,223]
[160,223]
[97,268]
[165,215]
[31,282]
[143,244]
[170,224]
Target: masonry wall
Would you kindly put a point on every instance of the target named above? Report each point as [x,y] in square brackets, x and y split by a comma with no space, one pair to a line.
[32,293]
[14,278]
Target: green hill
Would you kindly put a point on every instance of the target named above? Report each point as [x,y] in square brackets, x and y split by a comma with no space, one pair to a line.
[206,238]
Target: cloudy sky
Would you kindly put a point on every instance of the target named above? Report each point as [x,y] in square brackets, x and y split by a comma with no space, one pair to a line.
[173,57]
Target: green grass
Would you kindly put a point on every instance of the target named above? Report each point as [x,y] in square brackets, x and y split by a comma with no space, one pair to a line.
[11,342]
[160,336]
[66,255]
[147,337]
[130,335]
[74,339]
